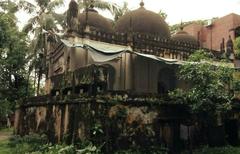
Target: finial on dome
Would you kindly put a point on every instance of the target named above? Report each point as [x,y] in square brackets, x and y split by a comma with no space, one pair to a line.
[181,25]
[142,3]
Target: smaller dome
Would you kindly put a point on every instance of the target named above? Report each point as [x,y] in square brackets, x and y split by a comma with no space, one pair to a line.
[183,36]
[95,20]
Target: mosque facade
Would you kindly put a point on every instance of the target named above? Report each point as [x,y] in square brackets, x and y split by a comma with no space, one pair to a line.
[137,54]
[129,63]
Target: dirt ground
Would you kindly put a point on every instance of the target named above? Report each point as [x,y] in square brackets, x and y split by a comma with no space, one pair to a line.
[5,134]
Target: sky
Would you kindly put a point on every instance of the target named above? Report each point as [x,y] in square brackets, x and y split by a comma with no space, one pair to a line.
[177,10]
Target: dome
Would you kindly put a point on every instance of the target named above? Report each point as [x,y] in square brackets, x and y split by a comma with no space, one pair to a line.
[95,20]
[183,36]
[143,21]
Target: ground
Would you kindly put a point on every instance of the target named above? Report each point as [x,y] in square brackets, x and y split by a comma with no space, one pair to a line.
[5,134]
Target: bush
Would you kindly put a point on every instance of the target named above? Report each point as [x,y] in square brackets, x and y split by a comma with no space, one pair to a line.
[237,48]
[237,54]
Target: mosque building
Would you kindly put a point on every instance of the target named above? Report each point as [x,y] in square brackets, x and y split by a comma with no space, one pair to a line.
[137,58]
[136,55]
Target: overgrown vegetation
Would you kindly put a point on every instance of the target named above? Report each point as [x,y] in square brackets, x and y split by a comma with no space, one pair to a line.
[13,62]
[39,145]
[237,48]
[209,93]
[35,144]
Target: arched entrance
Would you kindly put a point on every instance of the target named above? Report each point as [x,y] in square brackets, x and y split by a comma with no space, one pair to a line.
[166,80]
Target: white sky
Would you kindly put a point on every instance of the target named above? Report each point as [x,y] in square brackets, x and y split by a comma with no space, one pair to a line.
[177,10]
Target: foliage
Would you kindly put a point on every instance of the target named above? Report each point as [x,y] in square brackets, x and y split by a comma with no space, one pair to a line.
[120,11]
[237,48]
[37,144]
[236,85]
[13,80]
[4,147]
[113,8]
[43,20]
[178,96]
[209,92]
[57,149]
[162,14]
[97,129]
[5,107]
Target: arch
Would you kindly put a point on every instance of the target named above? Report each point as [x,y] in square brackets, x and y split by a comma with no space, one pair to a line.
[166,80]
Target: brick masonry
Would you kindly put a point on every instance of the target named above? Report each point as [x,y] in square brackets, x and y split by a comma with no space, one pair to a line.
[211,36]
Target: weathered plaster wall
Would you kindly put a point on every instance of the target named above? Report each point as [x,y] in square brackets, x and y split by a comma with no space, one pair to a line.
[148,73]
[118,125]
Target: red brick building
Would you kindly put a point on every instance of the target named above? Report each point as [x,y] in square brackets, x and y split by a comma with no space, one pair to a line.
[216,33]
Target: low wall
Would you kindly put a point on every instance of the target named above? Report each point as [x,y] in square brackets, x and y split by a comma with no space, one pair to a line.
[117,125]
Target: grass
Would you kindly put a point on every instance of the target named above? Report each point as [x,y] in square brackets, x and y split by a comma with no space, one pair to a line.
[4,141]
[5,148]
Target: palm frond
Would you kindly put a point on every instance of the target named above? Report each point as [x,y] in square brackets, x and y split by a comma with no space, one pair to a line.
[27,6]
[103,5]
[9,6]
[31,22]
[52,5]
[121,11]
[47,22]
[43,3]
[60,18]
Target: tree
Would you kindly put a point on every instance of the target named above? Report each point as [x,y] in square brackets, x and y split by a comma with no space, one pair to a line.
[117,13]
[116,10]
[209,94]
[162,14]
[237,47]
[13,62]
[45,19]
[99,4]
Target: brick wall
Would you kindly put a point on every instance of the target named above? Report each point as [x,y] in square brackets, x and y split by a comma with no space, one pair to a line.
[212,36]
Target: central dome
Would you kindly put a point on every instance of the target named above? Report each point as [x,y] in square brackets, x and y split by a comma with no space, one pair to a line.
[143,21]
